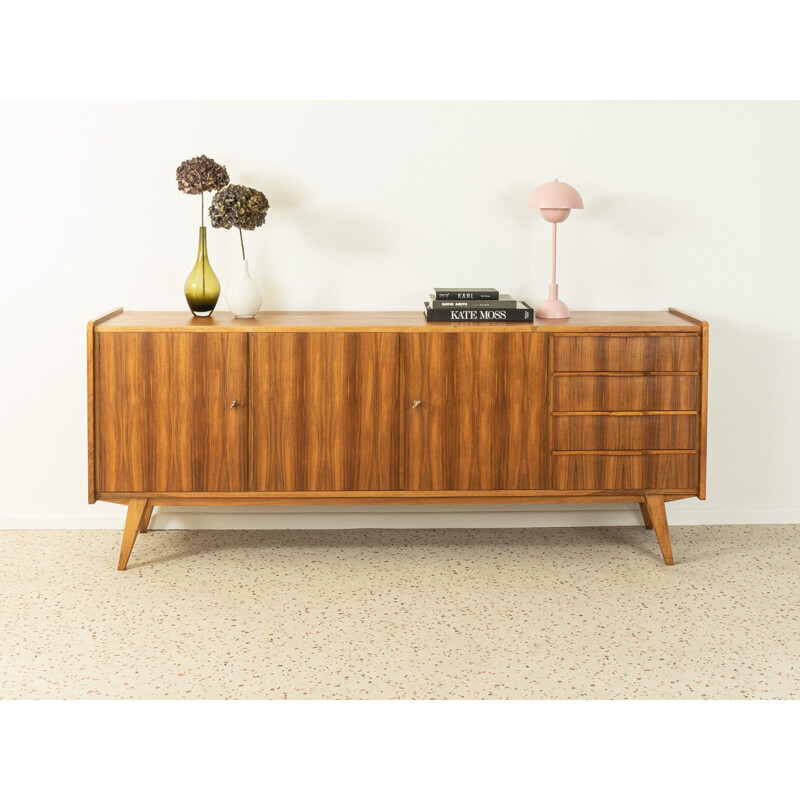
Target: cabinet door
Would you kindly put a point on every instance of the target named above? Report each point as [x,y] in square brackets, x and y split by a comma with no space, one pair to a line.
[474,409]
[164,421]
[325,411]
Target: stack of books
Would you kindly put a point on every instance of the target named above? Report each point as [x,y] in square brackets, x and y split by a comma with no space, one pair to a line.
[475,305]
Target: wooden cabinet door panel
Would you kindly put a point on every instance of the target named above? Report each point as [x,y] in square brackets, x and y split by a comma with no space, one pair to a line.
[164,417]
[325,411]
[480,420]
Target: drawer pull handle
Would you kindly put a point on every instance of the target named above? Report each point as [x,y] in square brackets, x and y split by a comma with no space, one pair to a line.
[235,404]
[416,404]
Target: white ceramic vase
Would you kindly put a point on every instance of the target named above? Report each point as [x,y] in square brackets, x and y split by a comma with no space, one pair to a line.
[243,294]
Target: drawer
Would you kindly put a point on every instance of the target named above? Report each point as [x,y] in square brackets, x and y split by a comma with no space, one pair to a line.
[625,392]
[626,353]
[635,472]
[652,432]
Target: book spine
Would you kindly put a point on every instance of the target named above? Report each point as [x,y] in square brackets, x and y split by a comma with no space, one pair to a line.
[474,304]
[468,295]
[479,315]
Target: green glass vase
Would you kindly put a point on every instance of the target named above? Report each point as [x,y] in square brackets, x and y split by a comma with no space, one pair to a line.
[202,286]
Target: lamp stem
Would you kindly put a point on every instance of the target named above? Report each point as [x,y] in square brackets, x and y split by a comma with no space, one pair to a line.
[553,279]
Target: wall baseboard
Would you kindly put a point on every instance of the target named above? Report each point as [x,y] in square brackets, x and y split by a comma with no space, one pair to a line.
[322,518]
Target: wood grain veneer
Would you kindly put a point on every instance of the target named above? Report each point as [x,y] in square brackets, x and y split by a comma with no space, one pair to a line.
[164,415]
[383,408]
[490,497]
[634,353]
[625,393]
[702,419]
[326,411]
[393,321]
[582,472]
[91,395]
[474,411]
[618,432]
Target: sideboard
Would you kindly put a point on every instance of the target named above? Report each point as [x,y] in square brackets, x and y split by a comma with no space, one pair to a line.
[370,408]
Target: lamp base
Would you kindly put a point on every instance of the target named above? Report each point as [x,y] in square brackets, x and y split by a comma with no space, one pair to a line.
[552,308]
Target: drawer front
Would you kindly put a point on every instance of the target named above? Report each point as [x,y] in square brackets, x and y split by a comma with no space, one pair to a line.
[626,353]
[651,432]
[635,472]
[625,393]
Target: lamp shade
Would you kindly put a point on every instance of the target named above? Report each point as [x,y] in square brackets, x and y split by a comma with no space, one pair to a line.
[555,195]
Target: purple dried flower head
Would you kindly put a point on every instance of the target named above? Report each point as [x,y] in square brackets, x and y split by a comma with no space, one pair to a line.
[201,174]
[238,207]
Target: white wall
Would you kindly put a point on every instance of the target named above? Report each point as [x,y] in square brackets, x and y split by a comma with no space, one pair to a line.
[695,205]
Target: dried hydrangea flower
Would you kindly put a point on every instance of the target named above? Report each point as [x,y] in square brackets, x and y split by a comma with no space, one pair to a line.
[201,174]
[239,207]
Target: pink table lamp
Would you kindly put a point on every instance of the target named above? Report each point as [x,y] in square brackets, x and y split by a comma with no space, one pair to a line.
[555,200]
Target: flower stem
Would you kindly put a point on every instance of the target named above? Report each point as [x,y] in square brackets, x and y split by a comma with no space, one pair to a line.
[241,239]
[202,210]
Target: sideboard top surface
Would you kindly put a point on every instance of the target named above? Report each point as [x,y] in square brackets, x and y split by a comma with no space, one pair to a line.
[389,321]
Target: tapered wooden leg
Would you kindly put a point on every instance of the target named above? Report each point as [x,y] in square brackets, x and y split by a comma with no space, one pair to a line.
[648,523]
[658,516]
[148,512]
[136,512]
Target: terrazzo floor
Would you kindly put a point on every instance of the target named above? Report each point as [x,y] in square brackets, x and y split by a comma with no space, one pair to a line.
[379,614]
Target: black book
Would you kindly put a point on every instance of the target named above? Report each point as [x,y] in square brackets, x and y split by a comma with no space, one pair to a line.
[522,313]
[505,301]
[467,294]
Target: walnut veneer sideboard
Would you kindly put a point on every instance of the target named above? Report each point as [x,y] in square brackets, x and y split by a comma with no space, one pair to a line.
[371,408]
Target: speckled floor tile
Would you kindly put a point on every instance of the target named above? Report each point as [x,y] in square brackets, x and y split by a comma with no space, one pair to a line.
[430,614]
